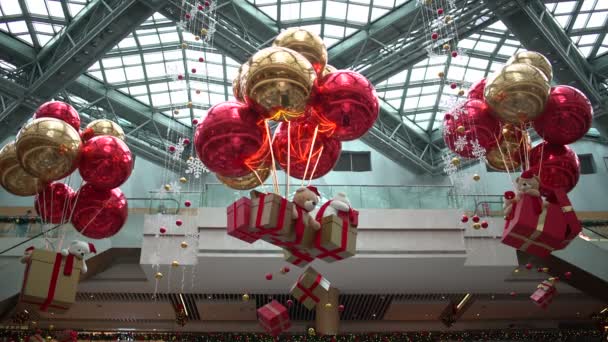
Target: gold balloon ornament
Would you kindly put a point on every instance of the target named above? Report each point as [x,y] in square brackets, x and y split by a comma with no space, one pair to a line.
[461,92]
[197,38]
[184,244]
[13,177]
[158,275]
[447,19]
[534,59]
[245,297]
[106,127]
[247,182]
[517,92]
[204,32]
[184,46]
[306,43]
[175,263]
[441,74]
[278,83]
[446,46]
[48,149]
[176,112]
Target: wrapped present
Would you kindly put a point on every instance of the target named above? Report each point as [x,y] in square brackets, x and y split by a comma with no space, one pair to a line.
[274,318]
[523,231]
[50,280]
[297,257]
[271,216]
[336,240]
[301,238]
[239,219]
[309,287]
[571,226]
[544,294]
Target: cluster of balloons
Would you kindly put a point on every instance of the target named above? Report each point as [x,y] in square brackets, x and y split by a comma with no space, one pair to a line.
[49,148]
[316,105]
[499,110]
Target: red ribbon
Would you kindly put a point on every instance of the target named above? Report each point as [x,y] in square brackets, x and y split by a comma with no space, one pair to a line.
[302,257]
[54,277]
[299,228]
[308,292]
[69,265]
[281,220]
[333,253]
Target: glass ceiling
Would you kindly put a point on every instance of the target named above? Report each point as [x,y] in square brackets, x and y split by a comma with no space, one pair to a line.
[146,64]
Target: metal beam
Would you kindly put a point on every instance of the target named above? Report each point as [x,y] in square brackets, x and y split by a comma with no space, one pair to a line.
[93,32]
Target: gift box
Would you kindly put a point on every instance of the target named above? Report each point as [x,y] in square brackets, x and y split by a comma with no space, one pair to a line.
[297,257]
[526,230]
[336,240]
[571,226]
[50,280]
[301,238]
[274,318]
[271,216]
[309,288]
[238,216]
[544,294]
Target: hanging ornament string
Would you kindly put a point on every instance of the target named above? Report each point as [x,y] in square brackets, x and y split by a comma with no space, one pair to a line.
[312,145]
[275,181]
[314,169]
[288,159]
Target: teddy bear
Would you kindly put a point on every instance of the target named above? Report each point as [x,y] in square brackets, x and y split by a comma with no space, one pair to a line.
[340,206]
[79,249]
[528,183]
[306,200]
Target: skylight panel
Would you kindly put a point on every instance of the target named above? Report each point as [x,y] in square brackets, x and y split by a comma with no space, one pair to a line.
[158,87]
[427,100]
[581,21]
[112,62]
[398,78]
[144,99]
[290,11]
[36,7]
[215,71]
[270,11]
[312,9]
[137,90]
[336,10]
[179,97]
[586,50]
[410,103]
[127,42]
[43,38]
[134,73]
[148,39]
[131,60]
[357,13]
[155,70]
[43,28]
[565,7]
[115,75]
[161,99]
[55,9]
[10,7]
[217,98]
[384,3]
[378,12]
[73,8]
[597,19]
[169,37]
[588,39]
[563,20]
[17,27]
[334,30]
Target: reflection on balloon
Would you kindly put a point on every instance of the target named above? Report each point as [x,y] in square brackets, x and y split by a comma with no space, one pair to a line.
[346,105]
[307,43]
[99,214]
[473,121]
[278,83]
[228,138]
[558,166]
[517,93]
[48,148]
[103,127]
[324,155]
[61,111]
[567,116]
[106,162]
[534,59]
[53,203]
[13,177]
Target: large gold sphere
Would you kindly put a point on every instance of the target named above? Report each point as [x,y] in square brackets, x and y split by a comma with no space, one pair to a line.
[534,59]
[517,92]
[307,43]
[247,182]
[13,177]
[278,83]
[106,127]
[236,83]
[48,148]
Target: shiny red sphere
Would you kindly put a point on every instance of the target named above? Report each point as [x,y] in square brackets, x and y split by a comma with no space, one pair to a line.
[559,167]
[59,110]
[162,230]
[440,11]
[187,204]
[484,224]
[464,219]
[475,116]
[179,223]
[193,70]
[325,152]
[180,77]
[476,90]
[568,275]
[53,203]
[228,139]
[106,162]
[453,85]
[529,266]
[475,218]
[99,214]
[201,59]
[289,302]
[345,104]
[341,307]
[567,116]
[435,36]
[269,276]
[454,54]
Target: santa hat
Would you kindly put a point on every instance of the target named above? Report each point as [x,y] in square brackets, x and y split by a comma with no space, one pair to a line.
[92,248]
[528,174]
[314,189]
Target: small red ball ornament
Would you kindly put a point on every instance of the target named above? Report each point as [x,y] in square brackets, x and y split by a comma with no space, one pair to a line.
[484,224]
[200,7]
[180,77]
[539,269]
[201,59]
[187,204]
[187,16]
[464,219]
[179,223]
[341,307]
[567,275]
[475,218]
[285,269]
[193,70]
[454,54]
[440,11]
[162,230]
[171,148]
[289,302]
[509,195]
[453,85]
[435,36]
[207,3]
[187,141]
[529,266]
[269,276]
[195,122]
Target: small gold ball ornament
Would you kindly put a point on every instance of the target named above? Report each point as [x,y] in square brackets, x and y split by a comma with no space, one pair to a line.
[245,297]
[204,32]
[476,226]
[51,327]
[328,305]
[455,161]
[461,92]
[311,332]
[175,263]
[158,275]
[476,177]
[183,180]
[441,74]
[184,46]
[168,187]
[516,270]
[546,269]
[197,38]
[49,338]
[176,112]
[447,19]
[460,129]
[184,244]
[446,46]
[189,105]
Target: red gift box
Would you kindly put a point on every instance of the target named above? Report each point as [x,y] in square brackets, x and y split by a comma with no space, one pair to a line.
[544,294]
[238,216]
[570,222]
[524,230]
[274,318]
[272,217]
[337,239]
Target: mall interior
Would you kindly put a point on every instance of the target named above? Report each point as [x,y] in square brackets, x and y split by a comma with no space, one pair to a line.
[303,170]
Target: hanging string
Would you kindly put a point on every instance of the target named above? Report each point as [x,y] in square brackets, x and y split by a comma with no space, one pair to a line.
[288,159]
[312,145]
[314,169]
[275,181]
[506,166]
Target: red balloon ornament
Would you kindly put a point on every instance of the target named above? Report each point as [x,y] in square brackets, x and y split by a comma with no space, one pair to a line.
[324,156]
[99,214]
[478,123]
[53,203]
[59,110]
[106,162]
[557,165]
[567,116]
[345,104]
[476,90]
[228,138]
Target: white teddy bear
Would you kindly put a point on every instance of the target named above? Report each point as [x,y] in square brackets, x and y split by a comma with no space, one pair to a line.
[79,249]
[339,203]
